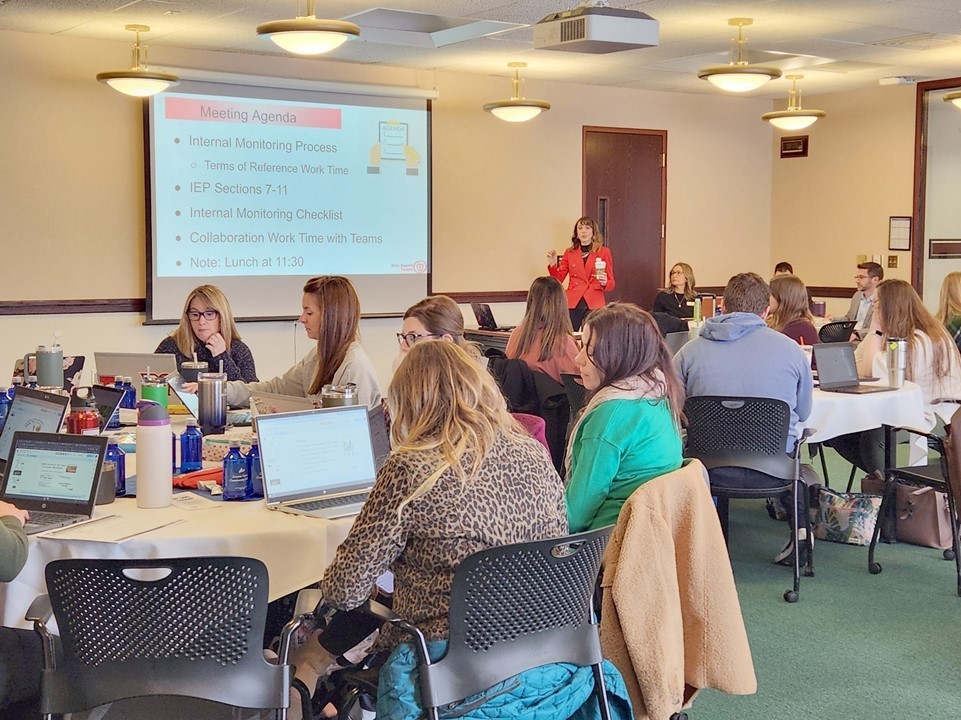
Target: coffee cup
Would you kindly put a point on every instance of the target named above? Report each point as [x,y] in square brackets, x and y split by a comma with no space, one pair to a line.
[190,370]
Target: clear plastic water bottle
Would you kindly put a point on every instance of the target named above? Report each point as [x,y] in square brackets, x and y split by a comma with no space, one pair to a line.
[4,406]
[255,481]
[235,473]
[129,394]
[191,447]
[118,456]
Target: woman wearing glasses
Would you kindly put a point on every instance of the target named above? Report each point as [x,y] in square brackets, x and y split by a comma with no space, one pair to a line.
[677,299]
[207,329]
[436,317]
[331,317]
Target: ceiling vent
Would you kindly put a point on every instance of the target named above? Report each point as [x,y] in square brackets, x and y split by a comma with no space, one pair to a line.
[596,30]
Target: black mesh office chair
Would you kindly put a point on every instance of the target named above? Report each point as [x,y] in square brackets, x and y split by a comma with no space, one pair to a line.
[187,627]
[944,476]
[839,331]
[575,392]
[512,608]
[752,434]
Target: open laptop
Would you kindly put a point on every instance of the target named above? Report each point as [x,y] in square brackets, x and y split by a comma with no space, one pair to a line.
[264,403]
[190,401]
[32,411]
[53,476]
[485,318]
[317,462]
[676,340]
[132,365]
[108,400]
[838,372]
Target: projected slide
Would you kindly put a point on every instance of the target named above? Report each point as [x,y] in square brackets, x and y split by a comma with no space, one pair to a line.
[266,188]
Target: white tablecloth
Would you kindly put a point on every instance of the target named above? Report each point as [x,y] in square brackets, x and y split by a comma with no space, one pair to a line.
[835,414]
[295,548]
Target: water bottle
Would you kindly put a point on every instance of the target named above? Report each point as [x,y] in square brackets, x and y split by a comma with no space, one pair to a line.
[255,481]
[14,384]
[897,350]
[235,473]
[154,479]
[32,382]
[129,401]
[4,406]
[191,448]
[119,459]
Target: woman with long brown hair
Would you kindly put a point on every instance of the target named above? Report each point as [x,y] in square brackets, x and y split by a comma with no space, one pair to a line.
[790,310]
[590,267]
[331,317]
[677,299]
[949,308]
[629,431]
[544,338]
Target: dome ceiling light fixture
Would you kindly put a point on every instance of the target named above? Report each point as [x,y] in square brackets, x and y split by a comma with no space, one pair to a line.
[518,108]
[739,75]
[138,81]
[953,97]
[306,35]
[794,118]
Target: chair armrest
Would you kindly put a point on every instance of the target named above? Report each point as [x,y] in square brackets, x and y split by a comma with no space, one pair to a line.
[39,613]
[381,611]
[372,607]
[39,610]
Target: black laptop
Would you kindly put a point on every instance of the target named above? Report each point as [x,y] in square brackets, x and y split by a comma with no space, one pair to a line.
[485,318]
[32,411]
[838,372]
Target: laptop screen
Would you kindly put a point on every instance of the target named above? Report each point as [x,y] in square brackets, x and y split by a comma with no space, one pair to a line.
[315,452]
[110,364]
[32,411]
[55,469]
[836,365]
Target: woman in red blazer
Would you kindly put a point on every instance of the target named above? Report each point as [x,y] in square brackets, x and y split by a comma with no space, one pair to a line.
[590,267]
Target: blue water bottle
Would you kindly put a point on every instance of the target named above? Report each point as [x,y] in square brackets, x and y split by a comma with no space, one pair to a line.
[14,384]
[129,401]
[191,448]
[4,406]
[235,473]
[255,481]
[118,456]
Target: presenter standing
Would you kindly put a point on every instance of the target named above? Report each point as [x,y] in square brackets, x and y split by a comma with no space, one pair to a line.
[591,270]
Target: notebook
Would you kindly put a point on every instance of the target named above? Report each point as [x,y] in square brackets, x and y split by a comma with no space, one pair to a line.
[32,411]
[54,477]
[838,372]
[485,318]
[132,365]
[317,462]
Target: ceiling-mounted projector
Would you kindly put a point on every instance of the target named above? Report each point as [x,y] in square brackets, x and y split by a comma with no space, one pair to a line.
[596,30]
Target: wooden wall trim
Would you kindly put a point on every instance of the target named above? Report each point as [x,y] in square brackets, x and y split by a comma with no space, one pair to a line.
[486,296]
[72,307]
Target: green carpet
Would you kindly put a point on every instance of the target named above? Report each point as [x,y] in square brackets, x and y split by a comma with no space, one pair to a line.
[855,645]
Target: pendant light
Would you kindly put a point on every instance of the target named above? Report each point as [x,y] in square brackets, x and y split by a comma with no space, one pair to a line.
[518,108]
[954,97]
[739,76]
[138,80]
[306,35]
[794,118]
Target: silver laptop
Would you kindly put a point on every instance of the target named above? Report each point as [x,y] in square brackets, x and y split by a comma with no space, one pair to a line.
[838,371]
[190,401]
[676,340]
[132,365]
[32,411]
[317,462]
[54,477]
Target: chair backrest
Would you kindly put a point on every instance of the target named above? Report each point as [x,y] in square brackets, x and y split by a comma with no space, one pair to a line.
[747,432]
[515,380]
[839,331]
[952,452]
[575,391]
[554,407]
[668,323]
[516,607]
[189,627]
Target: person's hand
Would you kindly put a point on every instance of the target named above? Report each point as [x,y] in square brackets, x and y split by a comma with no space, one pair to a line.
[552,256]
[12,510]
[216,344]
[601,277]
[875,323]
[190,387]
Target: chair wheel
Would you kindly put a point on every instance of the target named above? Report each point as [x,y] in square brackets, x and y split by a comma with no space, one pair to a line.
[790,596]
[874,568]
[808,571]
[949,554]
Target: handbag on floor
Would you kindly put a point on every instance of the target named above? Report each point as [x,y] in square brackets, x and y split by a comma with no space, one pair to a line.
[921,513]
[845,517]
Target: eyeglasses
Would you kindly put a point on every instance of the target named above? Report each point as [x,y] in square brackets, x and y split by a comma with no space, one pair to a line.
[410,338]
[206,314]
[861,277]
[677,272]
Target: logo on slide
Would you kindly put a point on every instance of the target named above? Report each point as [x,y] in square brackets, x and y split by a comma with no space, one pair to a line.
[420,266]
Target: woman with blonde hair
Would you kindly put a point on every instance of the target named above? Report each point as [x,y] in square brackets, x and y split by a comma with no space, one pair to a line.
[677,299]
[629,431]
[207,333]
[590,267]
[790,311]
[949,309]
[331,317]
[544,339]
[462,477]
[933,362]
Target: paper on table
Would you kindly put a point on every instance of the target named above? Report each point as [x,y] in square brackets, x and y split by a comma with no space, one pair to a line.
[111,529]
[189,501]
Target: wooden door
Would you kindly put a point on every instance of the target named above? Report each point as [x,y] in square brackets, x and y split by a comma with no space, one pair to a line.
[625,191]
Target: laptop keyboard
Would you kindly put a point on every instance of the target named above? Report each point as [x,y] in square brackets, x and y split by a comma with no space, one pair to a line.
[49,518]
[332,502]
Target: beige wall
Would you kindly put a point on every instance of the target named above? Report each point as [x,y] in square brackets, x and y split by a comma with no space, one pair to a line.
[834,204]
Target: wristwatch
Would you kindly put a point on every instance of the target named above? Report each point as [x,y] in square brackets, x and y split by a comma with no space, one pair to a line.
[879,333]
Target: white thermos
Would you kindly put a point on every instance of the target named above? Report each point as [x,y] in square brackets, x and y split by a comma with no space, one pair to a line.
[154,471]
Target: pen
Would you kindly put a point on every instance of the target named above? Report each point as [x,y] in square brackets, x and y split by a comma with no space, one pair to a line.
[76,525]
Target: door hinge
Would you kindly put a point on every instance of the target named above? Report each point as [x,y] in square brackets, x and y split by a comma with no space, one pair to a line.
[662,231]
[663,159]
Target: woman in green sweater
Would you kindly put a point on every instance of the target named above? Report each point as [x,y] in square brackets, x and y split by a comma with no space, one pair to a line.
[629,431]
